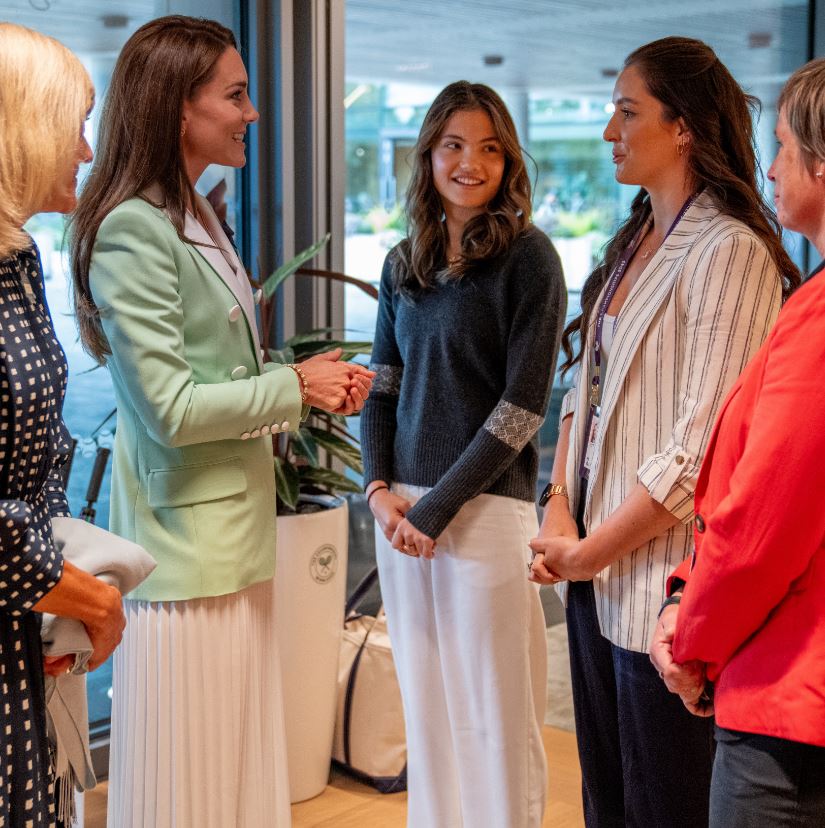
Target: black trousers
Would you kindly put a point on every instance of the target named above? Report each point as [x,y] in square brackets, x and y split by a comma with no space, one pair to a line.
[762,780]
[646,762]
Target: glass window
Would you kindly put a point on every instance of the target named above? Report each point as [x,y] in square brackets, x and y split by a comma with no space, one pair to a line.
[96,32]
[556,71]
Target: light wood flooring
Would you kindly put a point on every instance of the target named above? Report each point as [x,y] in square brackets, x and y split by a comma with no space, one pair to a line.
[348,804]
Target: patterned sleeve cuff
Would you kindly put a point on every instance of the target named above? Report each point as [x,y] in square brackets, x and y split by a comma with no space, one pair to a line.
[387,379]
[670,479]
[29,565]
[513,425]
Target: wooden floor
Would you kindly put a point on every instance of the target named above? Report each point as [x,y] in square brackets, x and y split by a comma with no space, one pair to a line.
[348,804]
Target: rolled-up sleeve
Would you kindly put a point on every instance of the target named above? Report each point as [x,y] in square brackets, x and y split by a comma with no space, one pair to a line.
[568,404]
[732,295]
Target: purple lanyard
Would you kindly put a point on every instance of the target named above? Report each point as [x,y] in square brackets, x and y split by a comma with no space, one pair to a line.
[612,286]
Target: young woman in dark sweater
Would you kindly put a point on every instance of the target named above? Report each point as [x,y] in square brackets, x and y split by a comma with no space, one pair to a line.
[470,315]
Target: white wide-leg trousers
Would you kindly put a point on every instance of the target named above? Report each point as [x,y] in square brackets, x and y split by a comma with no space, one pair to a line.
[468,639]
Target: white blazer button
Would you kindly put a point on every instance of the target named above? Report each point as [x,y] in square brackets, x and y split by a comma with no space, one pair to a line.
[285,425]
[239,372]
[245,436]
[235,313]
[258,296]
[275,428]
[256,433]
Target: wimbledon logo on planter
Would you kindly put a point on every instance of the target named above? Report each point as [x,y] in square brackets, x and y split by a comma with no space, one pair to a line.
[323,564]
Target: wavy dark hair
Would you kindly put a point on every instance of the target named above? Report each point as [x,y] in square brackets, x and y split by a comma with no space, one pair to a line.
[162,65]
[421,259]
[691,83]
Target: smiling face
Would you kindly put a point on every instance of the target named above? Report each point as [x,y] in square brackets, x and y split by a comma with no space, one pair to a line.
[798,194]
[468,164]
[63,197]
[645,145]
[215,119]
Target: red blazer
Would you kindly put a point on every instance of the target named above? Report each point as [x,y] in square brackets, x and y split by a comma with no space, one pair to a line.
[754,604]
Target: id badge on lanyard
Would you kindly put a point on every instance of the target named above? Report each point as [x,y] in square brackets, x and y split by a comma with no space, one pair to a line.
[590,445]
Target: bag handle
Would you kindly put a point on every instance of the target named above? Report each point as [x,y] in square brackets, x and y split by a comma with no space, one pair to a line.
[360,592]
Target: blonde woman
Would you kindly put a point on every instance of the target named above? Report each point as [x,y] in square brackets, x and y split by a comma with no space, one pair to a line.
[45,99]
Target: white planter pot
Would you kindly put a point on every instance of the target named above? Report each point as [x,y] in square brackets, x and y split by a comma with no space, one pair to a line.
[310,591]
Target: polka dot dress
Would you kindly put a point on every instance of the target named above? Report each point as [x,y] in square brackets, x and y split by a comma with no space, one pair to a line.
[33,444]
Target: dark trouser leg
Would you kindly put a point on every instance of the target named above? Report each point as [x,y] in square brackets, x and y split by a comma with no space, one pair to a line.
[667,753]
[594,703]
[762,780]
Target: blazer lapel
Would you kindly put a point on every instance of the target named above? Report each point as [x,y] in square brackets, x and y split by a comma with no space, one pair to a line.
[231,274]
[647,296]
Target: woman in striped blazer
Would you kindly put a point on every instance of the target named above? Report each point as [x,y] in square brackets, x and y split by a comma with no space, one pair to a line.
[688,289]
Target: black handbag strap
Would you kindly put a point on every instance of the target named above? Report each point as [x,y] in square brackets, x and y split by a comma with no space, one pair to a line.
[360,592]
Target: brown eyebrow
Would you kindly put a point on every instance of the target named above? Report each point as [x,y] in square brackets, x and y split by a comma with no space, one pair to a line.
[241,84]
[462,138]
[621,101]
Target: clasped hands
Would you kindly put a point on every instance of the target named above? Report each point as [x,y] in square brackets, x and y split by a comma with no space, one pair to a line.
[688,680]
[389,509]
[336,386]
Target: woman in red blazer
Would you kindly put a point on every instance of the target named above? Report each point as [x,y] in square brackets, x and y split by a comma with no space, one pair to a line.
[750,629]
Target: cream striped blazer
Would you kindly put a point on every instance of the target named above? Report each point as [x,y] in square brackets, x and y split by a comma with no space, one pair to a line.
[698,312]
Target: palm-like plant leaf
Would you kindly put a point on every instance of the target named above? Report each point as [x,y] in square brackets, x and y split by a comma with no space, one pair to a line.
[319,346]
[328,479]
[304,444]
[274,280]
[286,482]
[345,451]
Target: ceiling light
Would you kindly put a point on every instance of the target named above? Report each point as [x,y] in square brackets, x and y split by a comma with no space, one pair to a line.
[114,21]
[759,40]
[493,60]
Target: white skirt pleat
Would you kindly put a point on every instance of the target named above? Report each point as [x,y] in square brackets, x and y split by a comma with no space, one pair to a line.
[197,716]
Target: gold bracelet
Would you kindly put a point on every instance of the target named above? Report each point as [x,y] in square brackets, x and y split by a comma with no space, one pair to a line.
[302,380]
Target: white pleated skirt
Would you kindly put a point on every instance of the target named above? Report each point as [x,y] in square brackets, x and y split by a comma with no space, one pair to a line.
[197,716]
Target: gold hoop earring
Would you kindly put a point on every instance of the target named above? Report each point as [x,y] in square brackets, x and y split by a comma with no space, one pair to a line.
[681,146]
[183,131]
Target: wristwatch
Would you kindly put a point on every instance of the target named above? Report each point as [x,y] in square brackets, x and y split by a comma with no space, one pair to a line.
[552,489]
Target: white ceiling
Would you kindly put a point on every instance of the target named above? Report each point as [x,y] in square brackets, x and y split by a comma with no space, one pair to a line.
[561,44]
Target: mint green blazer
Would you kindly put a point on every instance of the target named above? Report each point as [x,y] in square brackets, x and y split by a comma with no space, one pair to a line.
[193,477]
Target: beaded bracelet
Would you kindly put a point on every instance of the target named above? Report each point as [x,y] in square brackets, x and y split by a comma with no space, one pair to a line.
[302,380]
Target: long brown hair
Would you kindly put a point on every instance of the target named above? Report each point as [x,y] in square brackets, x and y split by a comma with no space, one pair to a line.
[421,259]
[691,83]
[139,143]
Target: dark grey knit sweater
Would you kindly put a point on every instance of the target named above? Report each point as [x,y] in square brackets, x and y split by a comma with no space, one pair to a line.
[463,378]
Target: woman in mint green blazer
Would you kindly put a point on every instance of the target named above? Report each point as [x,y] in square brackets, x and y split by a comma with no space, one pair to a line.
[163,300]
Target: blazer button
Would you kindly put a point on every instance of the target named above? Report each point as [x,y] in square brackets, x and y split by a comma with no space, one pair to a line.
[264,429]
[256,433]
[285,425]
[245,436]
[235,313]
[679,459]
[275,428]
[700,524]
[238,373]
[258,296]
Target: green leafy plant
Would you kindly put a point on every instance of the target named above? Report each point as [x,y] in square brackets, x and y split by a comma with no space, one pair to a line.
[300,466]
